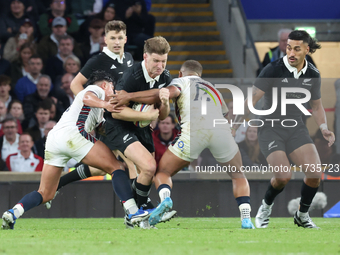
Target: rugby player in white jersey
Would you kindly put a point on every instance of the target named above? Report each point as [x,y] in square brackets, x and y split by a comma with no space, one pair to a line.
[71,138]
[197,133]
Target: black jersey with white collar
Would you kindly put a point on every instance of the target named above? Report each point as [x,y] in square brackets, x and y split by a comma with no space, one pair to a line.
[134,80]
[104,62]
[279,74]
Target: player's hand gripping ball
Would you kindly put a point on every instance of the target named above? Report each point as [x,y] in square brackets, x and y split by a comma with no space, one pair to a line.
[141,108]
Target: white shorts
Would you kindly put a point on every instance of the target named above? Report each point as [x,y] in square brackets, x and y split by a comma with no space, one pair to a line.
[64,144]
[220,142]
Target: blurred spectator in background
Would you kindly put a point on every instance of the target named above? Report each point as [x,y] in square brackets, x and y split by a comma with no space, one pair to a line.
[241,131]
[71,65]
[48,46]
[14,110]
[24,160]
[280,50]
[5,65]
[21,67]
[82,8]
[164,135]
[27,84]
[140,25]
[250,149]
[65,85]
[321,144]
[5,88]
[9,141]
[42,116]
[25,35]
[55,64]
[39,146]
[11,22]
[92,44]
[3,113]
[107,14]
[58,8]
[33,100]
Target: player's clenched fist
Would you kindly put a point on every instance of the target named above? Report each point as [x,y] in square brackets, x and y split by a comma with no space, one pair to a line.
[164,95]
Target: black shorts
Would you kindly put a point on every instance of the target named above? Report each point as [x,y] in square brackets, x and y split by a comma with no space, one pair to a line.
[282,139]
[120,138]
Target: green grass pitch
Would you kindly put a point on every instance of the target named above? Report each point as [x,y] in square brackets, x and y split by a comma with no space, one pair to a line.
[179,236]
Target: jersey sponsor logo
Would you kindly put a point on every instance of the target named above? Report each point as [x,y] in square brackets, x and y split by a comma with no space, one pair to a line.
[125,138]
[285,80]
[271,145]
[129,63]
[113,67]
[161,85]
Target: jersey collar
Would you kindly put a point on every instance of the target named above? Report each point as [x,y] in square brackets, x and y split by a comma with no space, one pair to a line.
[113,55]
[147,76]
[294,69]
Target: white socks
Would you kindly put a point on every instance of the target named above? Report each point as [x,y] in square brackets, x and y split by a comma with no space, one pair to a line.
[164,193]
[18,210]
[245,210]
[130,206]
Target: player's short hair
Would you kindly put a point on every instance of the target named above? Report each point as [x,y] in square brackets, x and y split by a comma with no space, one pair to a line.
[5,80]
[194,66]
[115,25]
[99,76]
[158,45]
[301,35]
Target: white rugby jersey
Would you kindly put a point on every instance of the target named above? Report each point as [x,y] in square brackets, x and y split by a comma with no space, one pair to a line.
[81,116]
[196,96]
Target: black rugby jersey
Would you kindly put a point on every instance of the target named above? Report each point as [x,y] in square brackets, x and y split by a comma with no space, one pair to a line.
[103,61]
[279,74]
[134,80]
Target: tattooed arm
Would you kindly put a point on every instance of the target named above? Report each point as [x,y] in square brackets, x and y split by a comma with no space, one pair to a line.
[257,94]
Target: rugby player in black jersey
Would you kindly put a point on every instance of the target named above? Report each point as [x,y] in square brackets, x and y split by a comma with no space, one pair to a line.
[122,135]
[280,143]
[114,61]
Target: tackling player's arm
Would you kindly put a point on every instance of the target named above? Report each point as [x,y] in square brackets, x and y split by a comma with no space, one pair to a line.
[146,97]
[164,108]
[91,99]
[128,114]
[320,118]
[78,83]
[257,94]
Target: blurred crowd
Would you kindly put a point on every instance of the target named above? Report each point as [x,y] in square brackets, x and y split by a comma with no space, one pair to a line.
[43,45]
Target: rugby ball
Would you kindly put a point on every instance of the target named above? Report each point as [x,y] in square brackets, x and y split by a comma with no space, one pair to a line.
[141,108]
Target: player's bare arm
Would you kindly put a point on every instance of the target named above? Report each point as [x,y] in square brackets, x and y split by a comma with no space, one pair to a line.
[128,114]
[91,100]
[320,118]
[257,94]
[147,97]
[164,108]
[77,83]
